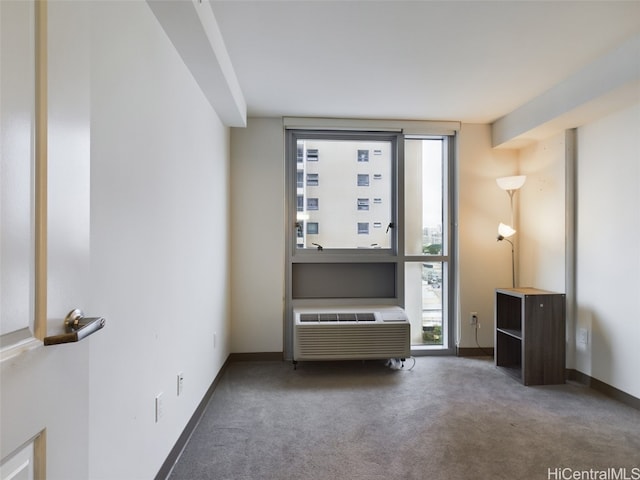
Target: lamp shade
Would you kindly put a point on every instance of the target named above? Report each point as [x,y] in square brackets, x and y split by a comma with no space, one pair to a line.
[505,230]
[511,183]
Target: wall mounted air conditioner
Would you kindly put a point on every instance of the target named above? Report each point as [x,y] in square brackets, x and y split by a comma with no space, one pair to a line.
[351,333]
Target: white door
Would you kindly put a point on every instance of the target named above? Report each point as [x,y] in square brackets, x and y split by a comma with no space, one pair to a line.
[44,409]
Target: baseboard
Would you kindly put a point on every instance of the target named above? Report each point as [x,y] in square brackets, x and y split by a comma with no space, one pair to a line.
[256,357]
[602,387]
[174,454]
[474,352]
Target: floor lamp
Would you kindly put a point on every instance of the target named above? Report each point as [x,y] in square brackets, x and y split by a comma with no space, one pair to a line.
[510,231]
[511,185]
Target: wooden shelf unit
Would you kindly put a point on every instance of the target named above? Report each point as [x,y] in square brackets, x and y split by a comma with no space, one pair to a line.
[530,335]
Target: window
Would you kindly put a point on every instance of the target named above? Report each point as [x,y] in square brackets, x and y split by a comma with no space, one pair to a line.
[413,192]
[312,204]
[312,155]
[346,156]
[426,163]
[363,179]
[312,180]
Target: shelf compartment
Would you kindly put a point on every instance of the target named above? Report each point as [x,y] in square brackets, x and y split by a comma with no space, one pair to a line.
[509,353]
[511,332]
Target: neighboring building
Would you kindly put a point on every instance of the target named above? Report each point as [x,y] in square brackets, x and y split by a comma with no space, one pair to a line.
[344,194]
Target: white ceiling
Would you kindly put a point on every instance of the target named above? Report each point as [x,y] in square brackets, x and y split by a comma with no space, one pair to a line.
[471,61]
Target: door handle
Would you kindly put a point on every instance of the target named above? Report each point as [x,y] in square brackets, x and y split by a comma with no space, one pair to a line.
[76,327]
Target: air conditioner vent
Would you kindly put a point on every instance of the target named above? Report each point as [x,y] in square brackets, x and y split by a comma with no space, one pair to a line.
[338,317]
[358,333]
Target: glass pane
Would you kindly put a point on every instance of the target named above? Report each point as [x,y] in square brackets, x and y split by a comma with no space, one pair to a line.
[424,301]
[344,193]
[423,196]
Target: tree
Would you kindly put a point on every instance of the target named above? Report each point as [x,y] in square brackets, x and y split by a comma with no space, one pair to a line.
[433,249]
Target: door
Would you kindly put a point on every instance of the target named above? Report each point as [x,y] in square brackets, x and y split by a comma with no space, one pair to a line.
[45,237]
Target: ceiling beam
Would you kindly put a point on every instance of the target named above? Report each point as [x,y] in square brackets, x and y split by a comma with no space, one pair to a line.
[610,82]
[193,30]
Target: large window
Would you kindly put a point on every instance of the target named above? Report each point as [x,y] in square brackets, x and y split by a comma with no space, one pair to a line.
[336,195]
[377,202]
[426,239]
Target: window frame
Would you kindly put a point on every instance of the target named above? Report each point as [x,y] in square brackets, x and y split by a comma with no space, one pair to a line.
[291,154]
[401,130]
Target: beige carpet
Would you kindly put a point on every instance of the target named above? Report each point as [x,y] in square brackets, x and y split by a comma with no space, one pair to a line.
[446,418]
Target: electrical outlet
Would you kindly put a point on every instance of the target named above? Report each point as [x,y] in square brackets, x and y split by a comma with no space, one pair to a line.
[583,336]
[159,407]
[180,383]
[473,319]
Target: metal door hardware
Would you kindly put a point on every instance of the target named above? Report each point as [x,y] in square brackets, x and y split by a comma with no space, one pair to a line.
[76,327]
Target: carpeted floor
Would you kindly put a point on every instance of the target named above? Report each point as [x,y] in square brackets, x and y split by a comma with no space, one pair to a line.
[446,418]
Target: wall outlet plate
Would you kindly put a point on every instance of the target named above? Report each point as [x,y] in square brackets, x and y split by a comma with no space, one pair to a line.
[583,336]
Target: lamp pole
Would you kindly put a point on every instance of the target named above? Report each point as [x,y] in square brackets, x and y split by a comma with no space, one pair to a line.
[513,264]
[511,193]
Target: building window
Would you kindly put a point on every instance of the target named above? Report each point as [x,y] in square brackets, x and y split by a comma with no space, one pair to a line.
[363,155]
[363,228]
[300,154]
[312,155]
[363,204]
[300,203]
[363,179]
[312,204]
[377,200]
[377,225]
[312,228]
[300,179]
[312,180]
[377,176]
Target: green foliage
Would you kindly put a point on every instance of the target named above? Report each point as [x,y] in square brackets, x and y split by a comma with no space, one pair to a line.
[433,249]
[432,335]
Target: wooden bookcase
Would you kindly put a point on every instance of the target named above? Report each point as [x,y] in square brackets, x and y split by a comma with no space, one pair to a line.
[530,335]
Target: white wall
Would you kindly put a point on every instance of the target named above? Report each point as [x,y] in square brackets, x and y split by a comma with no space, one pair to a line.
[258,213]
[159,242]
[257,229]
[608,263]
[541,225]
[608,257]
[484,264]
